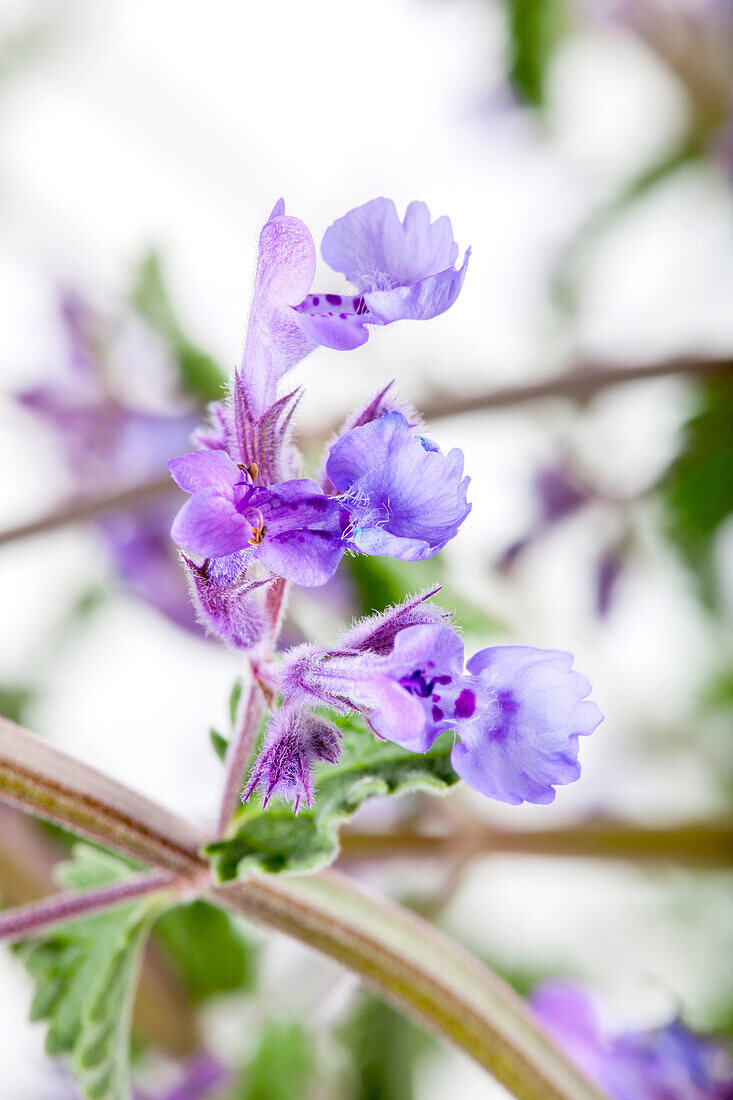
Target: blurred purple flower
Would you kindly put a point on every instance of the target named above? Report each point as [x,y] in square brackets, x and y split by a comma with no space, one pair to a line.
[558,495]
[667,1063]
[109,444]
[203,1077]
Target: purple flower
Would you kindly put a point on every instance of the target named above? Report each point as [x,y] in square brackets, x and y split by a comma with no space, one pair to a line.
[517,711]
[667,1063]
[528,712]
[296,740]
[405,499]
[402,270]
[275,341]
[407,693]
[294,529]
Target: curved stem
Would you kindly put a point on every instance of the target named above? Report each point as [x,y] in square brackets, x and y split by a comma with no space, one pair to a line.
[420,970]
[397,953]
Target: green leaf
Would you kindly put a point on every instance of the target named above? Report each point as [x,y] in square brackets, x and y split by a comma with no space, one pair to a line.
[282,1067]
[199,374]
[85,973]
[234,698]
[383,581]
[698,488]
[219,743]
[206,949]
[535,28]
[277,839]
[15,700]
[384,1047]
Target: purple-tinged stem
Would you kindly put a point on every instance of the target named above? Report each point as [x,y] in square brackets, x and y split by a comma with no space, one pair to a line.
[28,920]
[239,754]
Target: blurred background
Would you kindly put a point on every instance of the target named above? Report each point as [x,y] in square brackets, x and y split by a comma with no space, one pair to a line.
[584,150]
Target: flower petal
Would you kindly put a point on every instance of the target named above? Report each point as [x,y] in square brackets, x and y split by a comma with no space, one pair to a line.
[205,470]
[375,251]
[419,301]
[208,524]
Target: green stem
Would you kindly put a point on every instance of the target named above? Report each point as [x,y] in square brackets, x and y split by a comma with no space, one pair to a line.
[399,955]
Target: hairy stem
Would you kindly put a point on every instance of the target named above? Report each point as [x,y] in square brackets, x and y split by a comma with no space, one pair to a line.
[239,754]
[397,953]
[27,920]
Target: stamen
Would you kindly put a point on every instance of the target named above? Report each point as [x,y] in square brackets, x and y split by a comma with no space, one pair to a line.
[253,469]
[259,528]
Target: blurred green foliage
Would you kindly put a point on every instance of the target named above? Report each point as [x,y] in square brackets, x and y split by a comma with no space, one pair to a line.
[207,950]
[199,375]
[384,1048]
[535,28]
[698,488]
[379,582]
[282,1067]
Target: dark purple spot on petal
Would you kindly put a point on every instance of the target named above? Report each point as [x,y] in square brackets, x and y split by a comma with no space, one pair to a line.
[342,316]
[443,679]
[465,704]
[333,299]
[316,300]
[437,714]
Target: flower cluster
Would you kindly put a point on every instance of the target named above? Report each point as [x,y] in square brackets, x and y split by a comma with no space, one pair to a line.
[667,1063]
[385,488]
[251,523]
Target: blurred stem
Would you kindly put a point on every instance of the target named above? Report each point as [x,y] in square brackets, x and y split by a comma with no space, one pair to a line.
[701,844]
[399,955]
[584,381]
[28,920]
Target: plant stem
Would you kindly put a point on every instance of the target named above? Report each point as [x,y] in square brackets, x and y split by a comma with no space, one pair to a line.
[239,753]
[26,920]
[418,969]
[397,953]
[699,844]
[79,510]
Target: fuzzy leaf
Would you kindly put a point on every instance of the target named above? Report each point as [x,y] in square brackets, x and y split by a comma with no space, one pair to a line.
[277,839]
[85,974]
[207,949]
